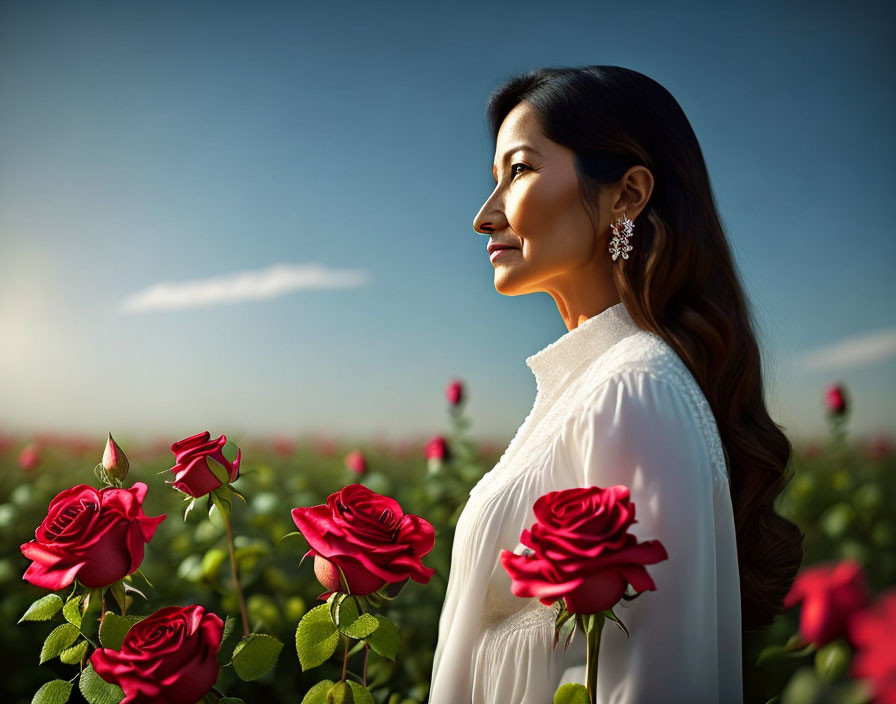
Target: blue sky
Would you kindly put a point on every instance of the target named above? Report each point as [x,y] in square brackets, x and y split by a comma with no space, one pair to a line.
[327,160]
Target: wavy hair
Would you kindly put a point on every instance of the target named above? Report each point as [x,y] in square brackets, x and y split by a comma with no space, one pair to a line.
[680,282]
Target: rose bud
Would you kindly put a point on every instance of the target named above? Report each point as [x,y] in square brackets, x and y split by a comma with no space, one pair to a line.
[437,448]
[29,456]
[871,632]
[455,392]
[356,462]
[95,536]
[436,452]
[170,656]
[368,537]
[192,473]
[835,400]
[115,462]
[830,593]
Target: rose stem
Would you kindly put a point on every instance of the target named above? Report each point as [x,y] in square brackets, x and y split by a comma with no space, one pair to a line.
[102,606]
[592,650]
[366,653]
[345,660]
[236,580]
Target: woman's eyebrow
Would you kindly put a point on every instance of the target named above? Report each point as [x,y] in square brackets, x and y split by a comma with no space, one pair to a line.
[510,151]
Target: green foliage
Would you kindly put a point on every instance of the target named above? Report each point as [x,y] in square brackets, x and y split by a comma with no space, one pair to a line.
[96,690]
[72,611]
[59,639]
[572,694]
[316,637]
[73,655]
[255,655]
[53,692]
[113,629]
[43,609]
[384,640]
[344,613]
[329,692]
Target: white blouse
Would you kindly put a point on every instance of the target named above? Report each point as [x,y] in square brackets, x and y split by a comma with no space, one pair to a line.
[614,405]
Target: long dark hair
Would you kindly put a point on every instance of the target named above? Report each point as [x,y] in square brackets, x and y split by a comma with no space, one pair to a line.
[680,282]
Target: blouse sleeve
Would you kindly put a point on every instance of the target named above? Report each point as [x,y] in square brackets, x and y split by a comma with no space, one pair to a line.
[644,432]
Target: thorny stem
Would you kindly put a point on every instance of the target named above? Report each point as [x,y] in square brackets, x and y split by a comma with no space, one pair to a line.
[366,653]
[345,660]
[233,572]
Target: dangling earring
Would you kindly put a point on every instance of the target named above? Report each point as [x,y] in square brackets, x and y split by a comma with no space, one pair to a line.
[619,244]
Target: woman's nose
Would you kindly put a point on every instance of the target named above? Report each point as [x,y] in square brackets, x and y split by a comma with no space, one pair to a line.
[488,219]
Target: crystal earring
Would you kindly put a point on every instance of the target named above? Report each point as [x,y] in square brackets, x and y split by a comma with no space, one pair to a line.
[622,230]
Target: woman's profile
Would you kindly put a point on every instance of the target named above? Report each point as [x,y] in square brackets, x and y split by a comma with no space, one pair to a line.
[602,200]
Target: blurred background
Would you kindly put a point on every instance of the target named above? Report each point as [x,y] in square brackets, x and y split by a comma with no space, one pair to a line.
[256,219]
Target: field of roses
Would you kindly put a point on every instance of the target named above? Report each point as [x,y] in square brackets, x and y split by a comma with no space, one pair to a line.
[221,594]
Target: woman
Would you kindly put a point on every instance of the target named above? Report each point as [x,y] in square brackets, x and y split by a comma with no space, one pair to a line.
[602,200]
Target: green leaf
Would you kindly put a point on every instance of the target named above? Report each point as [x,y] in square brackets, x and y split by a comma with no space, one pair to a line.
[360,694]
[318,693]
[572,693]
[118,593]
[190,507]
[43,609]
[230,451]
[96,690]
[53,692]
[219,509]
[218,469]
[350,622]
[59,639]
[73,655]
[212,562]
[72,611]
[113,630]
[341,693]
[255,655]
[316,637]
[384,640]
[230,700]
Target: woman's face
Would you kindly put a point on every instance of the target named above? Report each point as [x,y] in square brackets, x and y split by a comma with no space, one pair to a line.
[538,210]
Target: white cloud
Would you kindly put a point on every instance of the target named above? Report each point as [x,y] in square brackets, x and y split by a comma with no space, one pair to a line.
[857,351]
[252,285]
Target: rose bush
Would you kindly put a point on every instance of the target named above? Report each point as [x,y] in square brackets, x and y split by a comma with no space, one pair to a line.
[192,474]
[169,657]
[580,550]
[96,536]
[830,594]
[368,537]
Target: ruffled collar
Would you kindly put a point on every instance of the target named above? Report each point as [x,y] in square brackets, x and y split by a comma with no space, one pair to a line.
[563,360]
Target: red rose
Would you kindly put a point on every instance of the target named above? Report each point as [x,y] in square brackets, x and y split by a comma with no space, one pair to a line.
[830,595]
[580,550]
[94,536]
[356,462]
[455,392]
[369,537]
[437,448]
[29,457]
[871,631]
[169,657]
[835,400]
[192,474]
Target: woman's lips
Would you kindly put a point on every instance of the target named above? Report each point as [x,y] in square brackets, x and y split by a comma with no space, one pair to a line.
[498,252]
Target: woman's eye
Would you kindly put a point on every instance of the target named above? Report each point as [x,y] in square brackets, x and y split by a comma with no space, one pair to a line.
[514,172]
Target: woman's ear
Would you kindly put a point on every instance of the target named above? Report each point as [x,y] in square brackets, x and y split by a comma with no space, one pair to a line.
[634,191]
